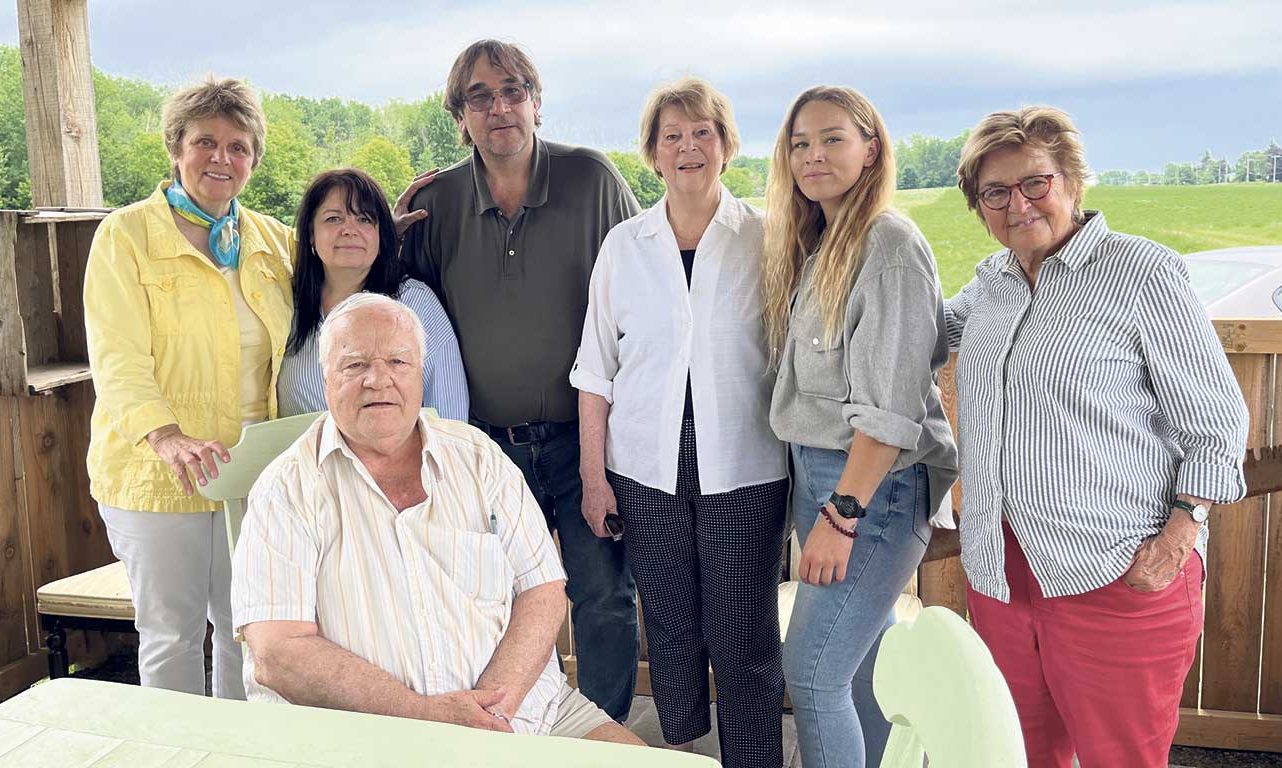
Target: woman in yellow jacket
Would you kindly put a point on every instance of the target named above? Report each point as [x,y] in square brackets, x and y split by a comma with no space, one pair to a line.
[187,308]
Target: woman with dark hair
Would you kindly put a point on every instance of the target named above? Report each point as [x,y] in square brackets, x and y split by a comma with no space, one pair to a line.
[347,244]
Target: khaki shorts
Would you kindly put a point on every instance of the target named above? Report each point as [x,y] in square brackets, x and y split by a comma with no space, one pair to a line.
[576,715]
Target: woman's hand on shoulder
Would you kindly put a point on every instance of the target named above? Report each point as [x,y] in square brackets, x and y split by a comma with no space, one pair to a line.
[402,217]
[186,454]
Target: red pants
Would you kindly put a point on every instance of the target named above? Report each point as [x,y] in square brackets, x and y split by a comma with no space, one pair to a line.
[1098,674]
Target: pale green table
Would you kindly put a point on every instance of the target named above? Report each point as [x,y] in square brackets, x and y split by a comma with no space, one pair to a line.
[70,723]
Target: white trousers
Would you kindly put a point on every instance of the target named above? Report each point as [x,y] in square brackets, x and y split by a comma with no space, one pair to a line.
[180,573]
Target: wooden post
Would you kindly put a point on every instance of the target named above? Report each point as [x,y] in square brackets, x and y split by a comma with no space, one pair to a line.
[57,85]
[49,526]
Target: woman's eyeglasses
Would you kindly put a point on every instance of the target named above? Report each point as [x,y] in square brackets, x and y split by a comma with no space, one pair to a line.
[997,197]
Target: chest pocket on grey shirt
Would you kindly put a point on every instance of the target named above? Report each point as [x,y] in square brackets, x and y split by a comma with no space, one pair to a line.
[819,364]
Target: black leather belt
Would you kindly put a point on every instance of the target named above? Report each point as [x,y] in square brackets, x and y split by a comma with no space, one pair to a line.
[530,432]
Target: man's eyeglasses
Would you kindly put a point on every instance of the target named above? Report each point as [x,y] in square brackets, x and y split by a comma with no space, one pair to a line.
[512,94]
[997,197]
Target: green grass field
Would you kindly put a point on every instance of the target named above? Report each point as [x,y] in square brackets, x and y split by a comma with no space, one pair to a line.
[1188,219]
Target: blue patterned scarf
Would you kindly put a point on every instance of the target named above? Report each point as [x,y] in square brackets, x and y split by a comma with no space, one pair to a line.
[224,233]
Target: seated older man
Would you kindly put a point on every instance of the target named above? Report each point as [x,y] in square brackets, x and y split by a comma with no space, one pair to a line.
[398,564]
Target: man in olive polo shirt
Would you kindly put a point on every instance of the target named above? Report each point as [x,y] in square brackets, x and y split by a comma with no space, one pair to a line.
[508,243]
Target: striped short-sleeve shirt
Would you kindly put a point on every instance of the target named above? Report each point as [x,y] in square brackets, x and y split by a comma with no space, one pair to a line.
[425,593]
[1085,406]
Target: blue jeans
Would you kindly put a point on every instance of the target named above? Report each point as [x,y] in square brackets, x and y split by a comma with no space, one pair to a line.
[599,584]
[833,636]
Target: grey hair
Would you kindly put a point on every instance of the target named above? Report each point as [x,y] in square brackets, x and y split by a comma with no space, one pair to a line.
[367,300]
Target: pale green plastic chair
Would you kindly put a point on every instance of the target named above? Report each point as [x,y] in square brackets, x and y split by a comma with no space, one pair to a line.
[944,696]
[259,444]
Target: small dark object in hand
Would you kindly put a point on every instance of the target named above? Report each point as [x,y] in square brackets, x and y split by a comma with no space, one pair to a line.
[614,524]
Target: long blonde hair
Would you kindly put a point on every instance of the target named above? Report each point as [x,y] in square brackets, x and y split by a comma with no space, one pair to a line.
[795,226]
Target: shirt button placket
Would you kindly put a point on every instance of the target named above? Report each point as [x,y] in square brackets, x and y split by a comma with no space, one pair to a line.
[416,581]
[509,251]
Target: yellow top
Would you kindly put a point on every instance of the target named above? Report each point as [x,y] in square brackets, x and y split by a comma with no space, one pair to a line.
[165,344]
[255,354]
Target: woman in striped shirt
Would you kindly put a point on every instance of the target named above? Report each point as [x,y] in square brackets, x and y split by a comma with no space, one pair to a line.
[1098,421]
[347,244]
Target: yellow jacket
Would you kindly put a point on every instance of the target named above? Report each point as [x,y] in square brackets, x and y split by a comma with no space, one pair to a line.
[164,344]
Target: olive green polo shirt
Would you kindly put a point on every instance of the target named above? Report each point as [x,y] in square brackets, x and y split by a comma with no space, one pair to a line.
[516,290]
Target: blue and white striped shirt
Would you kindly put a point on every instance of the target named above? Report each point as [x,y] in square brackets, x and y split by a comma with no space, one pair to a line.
[1085,406]
[299,388]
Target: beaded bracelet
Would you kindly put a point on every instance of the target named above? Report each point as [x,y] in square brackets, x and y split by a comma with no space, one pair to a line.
[850,534]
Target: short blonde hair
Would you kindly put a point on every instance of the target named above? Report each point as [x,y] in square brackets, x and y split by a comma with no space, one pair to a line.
[700,101]
[228,98]
[1045,128]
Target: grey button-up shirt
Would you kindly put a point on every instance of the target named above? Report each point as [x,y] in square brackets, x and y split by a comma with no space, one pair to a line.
[516,290]
[879,375]
[1085,406]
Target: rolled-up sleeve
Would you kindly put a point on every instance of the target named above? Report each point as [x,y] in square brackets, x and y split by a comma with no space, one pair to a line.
[888,356]
[1194,385]
[597,361]
[118,332]
[277,555]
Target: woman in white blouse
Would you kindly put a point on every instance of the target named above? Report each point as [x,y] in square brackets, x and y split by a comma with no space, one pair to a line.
[673,347]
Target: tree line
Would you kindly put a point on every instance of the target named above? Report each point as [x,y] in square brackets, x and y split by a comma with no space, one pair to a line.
[393,141]
[305,136]
[1256,165]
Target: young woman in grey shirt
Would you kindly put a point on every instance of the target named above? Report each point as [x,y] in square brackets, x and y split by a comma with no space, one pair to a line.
[854,317]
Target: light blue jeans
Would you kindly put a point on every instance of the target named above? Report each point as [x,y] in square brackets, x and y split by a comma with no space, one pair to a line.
[833,636]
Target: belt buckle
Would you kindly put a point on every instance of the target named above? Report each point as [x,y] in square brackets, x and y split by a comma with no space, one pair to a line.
[511,436]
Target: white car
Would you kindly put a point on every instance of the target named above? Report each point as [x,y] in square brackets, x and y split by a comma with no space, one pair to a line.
[1238,282]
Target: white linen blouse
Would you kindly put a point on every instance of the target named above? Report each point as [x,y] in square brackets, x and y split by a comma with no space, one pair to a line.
[645,330]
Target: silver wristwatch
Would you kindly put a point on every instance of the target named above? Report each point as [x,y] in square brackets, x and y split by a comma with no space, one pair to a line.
[1198,512]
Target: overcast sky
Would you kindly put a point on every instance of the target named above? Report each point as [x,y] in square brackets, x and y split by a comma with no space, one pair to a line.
[1148,82]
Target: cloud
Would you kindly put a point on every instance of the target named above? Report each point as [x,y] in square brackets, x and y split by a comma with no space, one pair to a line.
[582,46]
[405,49]
[933,66]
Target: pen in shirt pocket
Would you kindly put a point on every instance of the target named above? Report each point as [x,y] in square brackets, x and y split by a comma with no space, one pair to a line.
[494,524]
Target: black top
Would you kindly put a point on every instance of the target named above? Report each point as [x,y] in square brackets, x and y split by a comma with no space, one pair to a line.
[687,260]
[516,291]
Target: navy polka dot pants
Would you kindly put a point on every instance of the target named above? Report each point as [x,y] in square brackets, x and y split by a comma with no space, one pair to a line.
[707,570]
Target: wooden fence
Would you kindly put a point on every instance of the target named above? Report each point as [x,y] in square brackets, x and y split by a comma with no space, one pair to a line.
[1233,694]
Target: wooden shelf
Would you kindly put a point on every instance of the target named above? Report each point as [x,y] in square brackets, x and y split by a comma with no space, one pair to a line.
[52,216]
[44,378]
